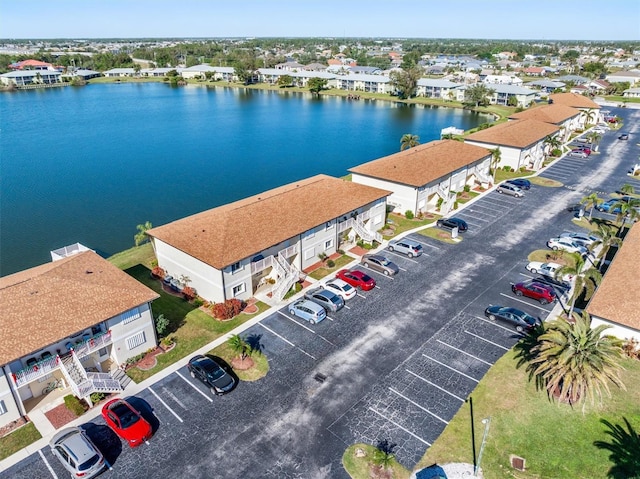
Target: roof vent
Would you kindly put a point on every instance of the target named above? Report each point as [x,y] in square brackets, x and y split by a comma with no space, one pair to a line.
[89,271]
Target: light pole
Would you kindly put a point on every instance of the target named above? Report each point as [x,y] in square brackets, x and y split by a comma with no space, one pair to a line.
[473,436]
[487,422]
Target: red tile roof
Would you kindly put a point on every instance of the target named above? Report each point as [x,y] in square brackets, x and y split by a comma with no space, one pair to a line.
[518,134]
[573,100]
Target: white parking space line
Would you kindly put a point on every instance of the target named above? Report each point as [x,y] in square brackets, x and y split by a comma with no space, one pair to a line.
[495,203]
[286,340]
[347,306]
[494,323]
[564,168]
[208,398]
[515,298]
[306,327]
[401,256]
[526,275]
[434,385]
[329,318]
[418,405]
[423,243]
[449,367]
[358,294]
[402,269]
[399,426]
[165,404]
[464,352]
[377,272]
[46,463]
[486,340]
[376,286]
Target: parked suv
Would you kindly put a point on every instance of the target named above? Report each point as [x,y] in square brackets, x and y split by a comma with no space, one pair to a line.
[77,453]
[509,189]
[534,290]
[307,310]
[520,183]
[406,246]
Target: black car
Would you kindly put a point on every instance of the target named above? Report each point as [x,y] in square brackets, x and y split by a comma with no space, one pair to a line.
[512,316]
[624,136]
[559,285]
[575,208]
[211,373]
[521,183]
[451,223]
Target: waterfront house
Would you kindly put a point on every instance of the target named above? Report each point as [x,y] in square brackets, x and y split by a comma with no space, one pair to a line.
[365,83]
[21,78]
[217,73]
[74,320]
[426,177]
[437,88]
[615,301]
[631,76]
[564,117]
[501,95]
[521,142]
[299,78]
[587,107]
[119,73]
[265,241]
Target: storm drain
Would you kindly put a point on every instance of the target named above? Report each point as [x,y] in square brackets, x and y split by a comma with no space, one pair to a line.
[320,377]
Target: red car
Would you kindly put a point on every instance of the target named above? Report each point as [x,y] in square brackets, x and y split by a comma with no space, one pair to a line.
[357,279]
[538,291]
[126,422]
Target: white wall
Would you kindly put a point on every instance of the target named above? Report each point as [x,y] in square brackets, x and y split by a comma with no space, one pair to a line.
[403,198]
[120,332]
[8,402]
[617,330]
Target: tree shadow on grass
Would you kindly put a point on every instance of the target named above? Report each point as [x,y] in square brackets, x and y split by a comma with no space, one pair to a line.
[624,448]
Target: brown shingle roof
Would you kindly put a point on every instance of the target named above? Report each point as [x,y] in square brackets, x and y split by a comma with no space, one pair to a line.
[616,299]
[222,236]
[519,134]
[423,164]
[549,114]
[45,304]
[573,100]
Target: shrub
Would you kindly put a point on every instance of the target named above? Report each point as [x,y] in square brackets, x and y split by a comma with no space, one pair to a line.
[467,188]
[556,152]
[162,324]
[189,293]
[631,347]
[455,205]
[331,263]
[198,301]
[408,214]
[322,256]
[523,169]
[439,202]
[228,309]
[340,251]
[507,168]
[97,397]
[74,405]
[158,272]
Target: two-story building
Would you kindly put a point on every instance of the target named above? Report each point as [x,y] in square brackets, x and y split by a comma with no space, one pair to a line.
[437,88]
[521,143]
[615,302]
[418,177]
[72,321]
[567,119]
[589,109]
[266,240]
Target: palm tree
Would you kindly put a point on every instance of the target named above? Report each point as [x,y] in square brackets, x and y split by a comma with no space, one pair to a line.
[629,211]
[496,156]
[627,189]
[592,201]
[586,279]
[607,238]
[552,143]
[383,455]
[409,141]
[589,116]
[141,236]
[576,362]
[594,137]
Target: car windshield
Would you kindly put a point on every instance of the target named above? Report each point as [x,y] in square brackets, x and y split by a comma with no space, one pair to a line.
[366,278]
[346,287]
[529,319]
[384,261]
[216,374]
[126,415]
[335,299]
[417,247]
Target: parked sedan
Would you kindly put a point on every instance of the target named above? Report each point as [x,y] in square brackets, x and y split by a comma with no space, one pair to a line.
[357,279]
[546,269]
[341,288]
[509,189]
[330,301]
[450,223]
[624,136]
[566,244]
[560,286]
[608,206]
[581,238]
[406,246]
[79,456]
[538,291]
[520,183]
[126,422]
[211,373]
[512,316]
[380,264]
[575,208]
[307,310]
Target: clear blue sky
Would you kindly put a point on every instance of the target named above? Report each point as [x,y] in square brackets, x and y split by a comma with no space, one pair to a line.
[507,19]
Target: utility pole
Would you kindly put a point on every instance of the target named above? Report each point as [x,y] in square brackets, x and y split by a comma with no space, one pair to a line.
[473,436]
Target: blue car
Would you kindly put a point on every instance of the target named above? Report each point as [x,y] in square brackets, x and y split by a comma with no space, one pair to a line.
[307,310]
[521,183]
[607,207]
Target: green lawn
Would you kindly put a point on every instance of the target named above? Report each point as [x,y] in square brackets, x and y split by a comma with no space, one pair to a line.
[549,183]
[360,467]
[402,224]
[557,441]
[502,175]
[189,326]
[258,371]
[18,439]
[542,255]
[143,254]
[340,263]
[440,235]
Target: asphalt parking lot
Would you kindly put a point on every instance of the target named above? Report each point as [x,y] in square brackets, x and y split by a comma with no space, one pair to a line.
[396,364]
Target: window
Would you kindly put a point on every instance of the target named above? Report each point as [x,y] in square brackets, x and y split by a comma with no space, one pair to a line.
[328,244]
[130,315]
[3,407]
[239,289]
[329,225]
[135,340]
[102,352]
[236,267]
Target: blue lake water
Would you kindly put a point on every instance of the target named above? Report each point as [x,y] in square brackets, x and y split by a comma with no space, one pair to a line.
[89,164]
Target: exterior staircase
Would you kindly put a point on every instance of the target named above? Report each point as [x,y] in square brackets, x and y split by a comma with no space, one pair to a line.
[448,200]
[482,177]
[364,233]
[83,383]
[287,273]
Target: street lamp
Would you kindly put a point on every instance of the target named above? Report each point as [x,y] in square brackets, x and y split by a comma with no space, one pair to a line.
[487,422]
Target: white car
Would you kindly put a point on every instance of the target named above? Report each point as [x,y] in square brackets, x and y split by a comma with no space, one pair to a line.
[341,288]
[547,269]
[580,238]
[509,189]
[566,244]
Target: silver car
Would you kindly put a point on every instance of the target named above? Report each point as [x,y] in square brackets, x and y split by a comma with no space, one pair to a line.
[77,453]
[307,310]
[380,264]
[406,246]
[509,189]
[329,300]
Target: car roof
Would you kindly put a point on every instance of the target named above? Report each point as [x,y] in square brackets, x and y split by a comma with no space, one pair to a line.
[75,444]
[309,304]
[406,241]
[340,283]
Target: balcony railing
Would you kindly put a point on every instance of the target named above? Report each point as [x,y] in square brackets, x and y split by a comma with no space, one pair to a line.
[93,344]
